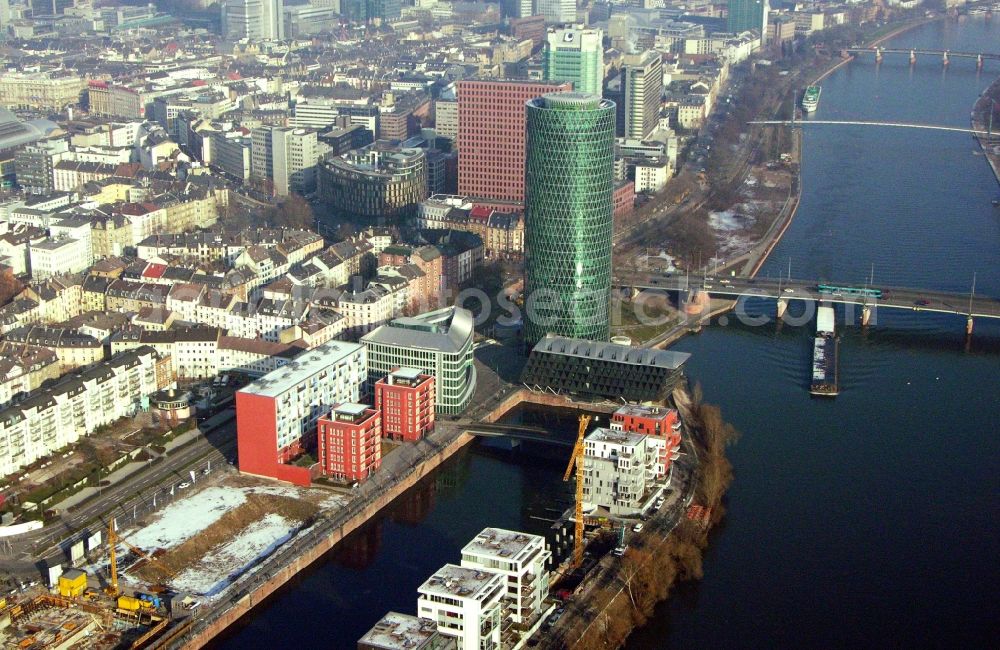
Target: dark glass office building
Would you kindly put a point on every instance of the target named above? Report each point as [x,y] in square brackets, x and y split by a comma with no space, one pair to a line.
[568,204]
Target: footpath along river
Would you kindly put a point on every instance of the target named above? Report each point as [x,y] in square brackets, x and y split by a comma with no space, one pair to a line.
[866,520]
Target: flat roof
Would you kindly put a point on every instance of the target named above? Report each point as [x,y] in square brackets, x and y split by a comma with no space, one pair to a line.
[407,373]
[641,411]
[624,438]
[508,544]
[454,580]
[302,367]
[611,352]
[349,408]
[445,330]
[396,631]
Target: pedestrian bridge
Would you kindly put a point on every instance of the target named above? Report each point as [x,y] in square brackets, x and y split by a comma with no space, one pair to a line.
[901,125]
[523,432]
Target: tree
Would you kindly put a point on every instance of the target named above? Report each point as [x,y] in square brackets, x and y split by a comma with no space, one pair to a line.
[10,286]
[296,213]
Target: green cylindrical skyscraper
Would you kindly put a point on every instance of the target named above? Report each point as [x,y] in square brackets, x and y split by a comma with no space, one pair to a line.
[568,205]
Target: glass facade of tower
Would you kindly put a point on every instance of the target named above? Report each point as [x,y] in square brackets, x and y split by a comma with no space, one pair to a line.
[568,228]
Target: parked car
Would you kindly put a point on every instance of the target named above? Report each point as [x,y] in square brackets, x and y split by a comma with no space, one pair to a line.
[637,528]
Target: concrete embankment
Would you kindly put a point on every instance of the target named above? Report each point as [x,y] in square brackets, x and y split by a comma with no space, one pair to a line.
[206,631]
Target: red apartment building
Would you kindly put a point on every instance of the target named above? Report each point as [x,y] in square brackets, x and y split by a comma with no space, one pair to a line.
[655,421]
[491,135]
[349,442]
[405,400]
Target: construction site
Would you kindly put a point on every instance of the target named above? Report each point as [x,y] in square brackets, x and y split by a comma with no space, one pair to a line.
[145,585]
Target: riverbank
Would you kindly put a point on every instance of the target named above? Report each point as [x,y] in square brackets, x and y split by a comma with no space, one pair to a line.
[621,593]
[309,548]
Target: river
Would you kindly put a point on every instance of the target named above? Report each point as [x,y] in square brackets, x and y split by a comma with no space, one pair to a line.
[866,520]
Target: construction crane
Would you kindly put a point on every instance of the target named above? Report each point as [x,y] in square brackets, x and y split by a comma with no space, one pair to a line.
[576,459]
[113,538]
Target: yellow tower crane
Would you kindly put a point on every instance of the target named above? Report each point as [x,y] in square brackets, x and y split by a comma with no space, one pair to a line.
[113,538]
[576,459]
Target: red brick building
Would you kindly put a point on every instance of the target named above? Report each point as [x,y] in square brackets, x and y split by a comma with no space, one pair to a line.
[349,442]
[623,199]
[405,400]
[491,135]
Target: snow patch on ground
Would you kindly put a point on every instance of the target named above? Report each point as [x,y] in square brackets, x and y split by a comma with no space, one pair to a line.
[187,517]
[725,221]
[217,570]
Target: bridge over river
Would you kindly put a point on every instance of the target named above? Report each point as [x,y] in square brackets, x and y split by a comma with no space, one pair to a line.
[784,289]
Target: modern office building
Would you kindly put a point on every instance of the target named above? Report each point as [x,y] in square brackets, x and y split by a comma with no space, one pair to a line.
[522,559]
[603,370]
[568,224]
[491,136]
[745,15]
[642,78]
[576,54]
[50,7]
[254,20]
[557,12]
[349,442]
[466,604]
[286,157]
[276,415]
[405,400]
[382,182]
[617,471]
[437,343]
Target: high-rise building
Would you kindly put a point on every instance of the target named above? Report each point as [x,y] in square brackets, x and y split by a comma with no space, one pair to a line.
[517,8]
[491,135]
[568,216]
[285,156]
[556,11]
[50,7]
[642,76]
[747,15]
[255,20]
[576,54]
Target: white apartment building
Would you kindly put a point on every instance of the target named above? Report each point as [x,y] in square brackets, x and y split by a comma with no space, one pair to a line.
[651,175]
[54,256]
[74,407]
[466,604]
[522,559]
[618,467]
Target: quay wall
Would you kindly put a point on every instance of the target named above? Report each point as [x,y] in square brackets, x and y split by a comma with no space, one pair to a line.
[311,555]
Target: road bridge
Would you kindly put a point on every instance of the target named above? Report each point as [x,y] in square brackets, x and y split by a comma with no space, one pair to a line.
[784,289]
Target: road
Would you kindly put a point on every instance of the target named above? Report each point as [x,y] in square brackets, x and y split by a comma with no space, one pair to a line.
[797,289]
[219,447]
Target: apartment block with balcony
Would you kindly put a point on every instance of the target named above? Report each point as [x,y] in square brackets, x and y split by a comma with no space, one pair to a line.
[618,469]
[405,399]
[522,559]
[349,442]
[466,604]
